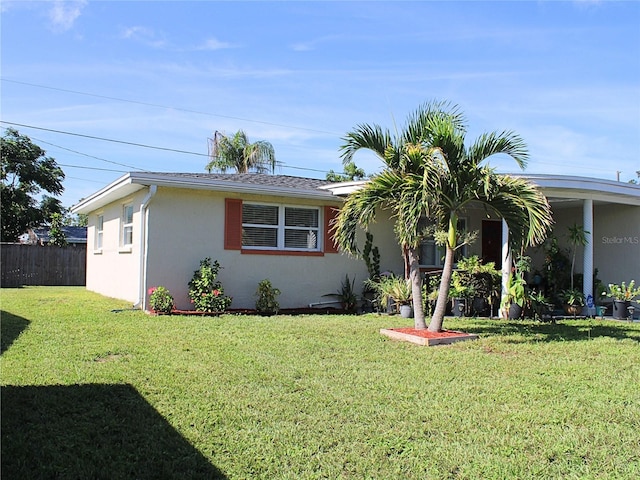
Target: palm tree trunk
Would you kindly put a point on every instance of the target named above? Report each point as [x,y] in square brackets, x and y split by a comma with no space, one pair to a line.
[416,289]
[443,294]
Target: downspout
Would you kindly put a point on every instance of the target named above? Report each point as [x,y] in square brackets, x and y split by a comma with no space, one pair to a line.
[144,225]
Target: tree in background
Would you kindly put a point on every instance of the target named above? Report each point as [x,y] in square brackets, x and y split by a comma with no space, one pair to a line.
[56,234]
[351,173]
[237,153]
[25,172]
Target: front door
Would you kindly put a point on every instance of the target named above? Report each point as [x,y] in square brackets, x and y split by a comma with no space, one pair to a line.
[492,242]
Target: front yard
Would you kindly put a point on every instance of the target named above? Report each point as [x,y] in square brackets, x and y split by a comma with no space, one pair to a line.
[92,389]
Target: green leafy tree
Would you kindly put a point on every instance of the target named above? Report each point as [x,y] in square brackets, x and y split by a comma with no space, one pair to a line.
[237,153]
[25,172]
[351,173]
[429,173]
[56,234]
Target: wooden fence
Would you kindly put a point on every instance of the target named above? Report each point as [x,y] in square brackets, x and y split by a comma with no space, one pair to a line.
[38,265]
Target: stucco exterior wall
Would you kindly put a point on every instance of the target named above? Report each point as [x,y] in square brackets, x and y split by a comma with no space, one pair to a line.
[186,226]
[615,236]
[113,270]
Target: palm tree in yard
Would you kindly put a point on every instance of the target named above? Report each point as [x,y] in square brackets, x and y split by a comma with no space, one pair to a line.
[430,174]
[237,153]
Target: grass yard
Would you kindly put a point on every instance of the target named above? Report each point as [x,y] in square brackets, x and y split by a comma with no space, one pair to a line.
[91,389]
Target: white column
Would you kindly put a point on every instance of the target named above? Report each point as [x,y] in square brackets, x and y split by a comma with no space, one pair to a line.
[506,261]
[587,268]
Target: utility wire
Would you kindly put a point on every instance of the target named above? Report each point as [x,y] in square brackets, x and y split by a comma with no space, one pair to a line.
[283,165]
[106,139]
[147,104]
[87,155]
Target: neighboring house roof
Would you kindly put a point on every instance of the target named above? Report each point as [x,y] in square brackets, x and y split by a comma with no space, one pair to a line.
[281,185]
[41,234]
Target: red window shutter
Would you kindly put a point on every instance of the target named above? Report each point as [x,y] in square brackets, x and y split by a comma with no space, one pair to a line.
[330,214]
[232,224]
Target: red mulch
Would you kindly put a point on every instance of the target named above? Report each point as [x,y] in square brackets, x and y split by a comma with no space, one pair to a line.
[428,334]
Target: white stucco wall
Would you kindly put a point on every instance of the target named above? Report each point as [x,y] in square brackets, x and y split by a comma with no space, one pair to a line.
[186,226]
[113,270]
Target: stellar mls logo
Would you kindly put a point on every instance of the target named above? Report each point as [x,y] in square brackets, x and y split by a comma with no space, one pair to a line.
[621,240]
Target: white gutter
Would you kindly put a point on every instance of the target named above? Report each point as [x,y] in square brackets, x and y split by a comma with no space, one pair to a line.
[144,238]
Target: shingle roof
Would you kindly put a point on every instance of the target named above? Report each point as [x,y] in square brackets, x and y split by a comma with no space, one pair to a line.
[282,181]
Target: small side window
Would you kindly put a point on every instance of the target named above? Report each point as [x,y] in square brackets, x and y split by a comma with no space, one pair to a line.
[127,225]
[99,232]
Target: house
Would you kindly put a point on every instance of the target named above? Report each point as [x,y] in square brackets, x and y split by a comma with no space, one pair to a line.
[149,229]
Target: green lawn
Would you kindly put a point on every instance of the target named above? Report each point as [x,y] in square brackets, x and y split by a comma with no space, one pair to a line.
[91,389]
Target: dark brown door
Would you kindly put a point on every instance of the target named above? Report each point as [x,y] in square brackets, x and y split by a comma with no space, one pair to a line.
[492,242]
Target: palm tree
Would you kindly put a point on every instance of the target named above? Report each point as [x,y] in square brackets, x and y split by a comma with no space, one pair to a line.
[431,174]
[237,153]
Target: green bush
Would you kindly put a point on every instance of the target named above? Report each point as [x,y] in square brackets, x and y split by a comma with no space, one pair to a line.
[160,299]
[206,291]
[266,302]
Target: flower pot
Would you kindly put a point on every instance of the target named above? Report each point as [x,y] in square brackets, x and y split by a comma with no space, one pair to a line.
[572,310]
[515,311]
[406,311]
[620,311]
[459,306]
[479,306]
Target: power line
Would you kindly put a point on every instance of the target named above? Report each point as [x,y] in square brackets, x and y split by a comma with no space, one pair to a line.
[83,167]
[86,154]
[283,165]
[156,105]
[106,139]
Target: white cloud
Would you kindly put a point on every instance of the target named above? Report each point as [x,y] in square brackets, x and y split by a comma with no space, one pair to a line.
[144,35]
[63,14]
[214,44]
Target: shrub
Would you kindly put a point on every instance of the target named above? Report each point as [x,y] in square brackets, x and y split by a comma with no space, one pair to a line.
[160,299]
[205,290]
[266,302]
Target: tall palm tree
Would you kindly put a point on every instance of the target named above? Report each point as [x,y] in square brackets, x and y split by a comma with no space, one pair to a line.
[431,174]
[237,153]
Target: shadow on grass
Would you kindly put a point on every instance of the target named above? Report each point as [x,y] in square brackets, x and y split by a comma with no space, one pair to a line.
[92,431]
[530,331]
[11,327]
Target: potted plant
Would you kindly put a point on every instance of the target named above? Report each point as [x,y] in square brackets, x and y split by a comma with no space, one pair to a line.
[396,290]
[516,297]
[622,295]
[266,298]
[573,301]
[541,306]
[459,293]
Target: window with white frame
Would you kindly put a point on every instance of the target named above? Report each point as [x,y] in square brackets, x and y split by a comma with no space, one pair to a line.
[99,231]
[280,227]
[432,255]
[127,225]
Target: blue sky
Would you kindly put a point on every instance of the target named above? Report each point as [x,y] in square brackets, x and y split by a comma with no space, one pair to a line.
[564,75]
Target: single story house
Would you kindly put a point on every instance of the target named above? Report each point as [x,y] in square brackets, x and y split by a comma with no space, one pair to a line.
[149,229]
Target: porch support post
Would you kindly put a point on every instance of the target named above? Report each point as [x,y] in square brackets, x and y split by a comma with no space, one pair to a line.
[587,268]
[506,265]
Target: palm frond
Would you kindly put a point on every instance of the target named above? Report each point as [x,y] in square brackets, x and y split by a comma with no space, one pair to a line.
[507,142]
[371,137]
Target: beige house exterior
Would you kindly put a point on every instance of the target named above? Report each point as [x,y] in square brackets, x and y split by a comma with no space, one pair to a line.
[150,229]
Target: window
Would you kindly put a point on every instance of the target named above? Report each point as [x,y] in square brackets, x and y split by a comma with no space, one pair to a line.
[127,225]
[99,231]
[280,227]
[432,255]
